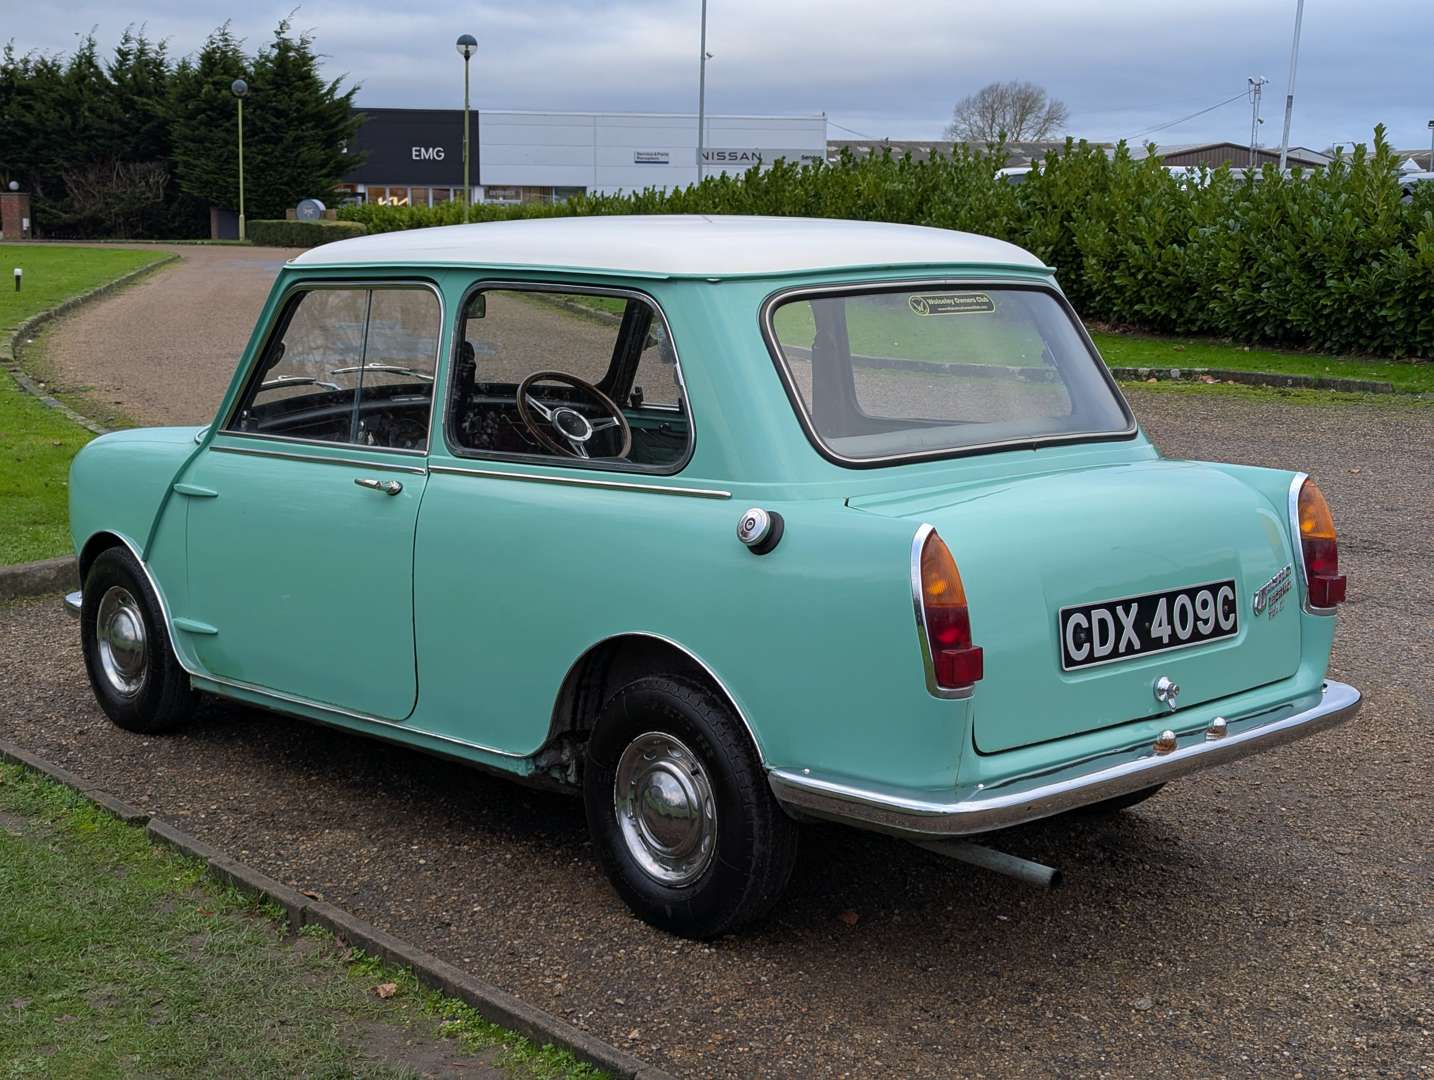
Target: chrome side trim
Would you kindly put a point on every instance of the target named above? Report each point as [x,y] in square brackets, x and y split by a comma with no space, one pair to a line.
[353,463]
[923,635]
[73,602]
[582,481]
[294,440]
[1298,546]
[999,807]
[350,714]
[685,651]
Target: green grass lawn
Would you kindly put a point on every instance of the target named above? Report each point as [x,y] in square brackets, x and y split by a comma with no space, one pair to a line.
[37,443]
[1143,350]
[119,958]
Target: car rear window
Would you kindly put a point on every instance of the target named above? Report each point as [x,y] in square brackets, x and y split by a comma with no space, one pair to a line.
[893,373]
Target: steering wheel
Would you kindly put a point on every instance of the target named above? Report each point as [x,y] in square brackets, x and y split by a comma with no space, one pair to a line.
[574,428]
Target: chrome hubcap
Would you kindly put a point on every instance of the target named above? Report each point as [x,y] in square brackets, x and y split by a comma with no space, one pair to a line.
[665,808]
[123,649]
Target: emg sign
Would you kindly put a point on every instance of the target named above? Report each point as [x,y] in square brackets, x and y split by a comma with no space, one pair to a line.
[427,153]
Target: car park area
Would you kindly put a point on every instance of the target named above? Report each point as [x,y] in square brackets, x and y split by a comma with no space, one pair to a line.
[1271,918]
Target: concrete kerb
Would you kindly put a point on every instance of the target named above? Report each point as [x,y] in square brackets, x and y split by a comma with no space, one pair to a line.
[48,577]
[1253,378]
[491,1002]
[10,350]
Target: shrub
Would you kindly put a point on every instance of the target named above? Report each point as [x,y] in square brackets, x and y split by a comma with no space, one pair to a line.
[301,234]
[1332,259]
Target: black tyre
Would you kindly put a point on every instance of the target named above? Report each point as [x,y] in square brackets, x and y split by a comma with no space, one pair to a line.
[1120,802]
[135,675]
[680,811]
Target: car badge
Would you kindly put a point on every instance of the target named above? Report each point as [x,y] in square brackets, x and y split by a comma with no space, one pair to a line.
[1269,596]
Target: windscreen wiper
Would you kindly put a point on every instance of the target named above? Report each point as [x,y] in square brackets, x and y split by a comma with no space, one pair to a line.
[297,380]
[392,369]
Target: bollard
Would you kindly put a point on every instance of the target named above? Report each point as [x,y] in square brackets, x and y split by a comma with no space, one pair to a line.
[18,275]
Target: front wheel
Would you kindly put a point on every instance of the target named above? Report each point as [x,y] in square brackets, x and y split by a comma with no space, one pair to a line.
[135,675]
[680,812]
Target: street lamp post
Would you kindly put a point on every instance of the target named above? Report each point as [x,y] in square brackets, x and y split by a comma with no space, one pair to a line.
[1290,94]
[466,45]
[239,88]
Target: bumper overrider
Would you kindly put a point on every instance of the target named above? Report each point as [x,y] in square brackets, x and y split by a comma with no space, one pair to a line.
[1065,787]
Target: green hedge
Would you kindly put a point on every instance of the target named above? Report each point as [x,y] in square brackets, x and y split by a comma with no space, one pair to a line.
[301,234]
[1332,259]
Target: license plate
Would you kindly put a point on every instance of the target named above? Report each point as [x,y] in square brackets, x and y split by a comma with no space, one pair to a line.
[1112,630]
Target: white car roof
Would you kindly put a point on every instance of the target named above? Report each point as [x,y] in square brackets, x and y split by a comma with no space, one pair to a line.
[674,246]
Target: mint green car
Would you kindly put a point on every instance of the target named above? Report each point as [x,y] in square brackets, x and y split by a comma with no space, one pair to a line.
[726,524]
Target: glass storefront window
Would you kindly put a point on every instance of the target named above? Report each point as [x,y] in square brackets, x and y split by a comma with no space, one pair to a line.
[418,196]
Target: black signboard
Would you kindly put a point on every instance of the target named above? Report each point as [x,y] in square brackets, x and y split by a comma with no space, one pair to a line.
[414,146]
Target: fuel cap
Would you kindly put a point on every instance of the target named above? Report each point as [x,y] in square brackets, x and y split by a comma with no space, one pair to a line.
[759,529]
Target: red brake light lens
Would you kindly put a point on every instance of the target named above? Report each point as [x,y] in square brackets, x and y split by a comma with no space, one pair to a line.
[1319,548]
[956,663]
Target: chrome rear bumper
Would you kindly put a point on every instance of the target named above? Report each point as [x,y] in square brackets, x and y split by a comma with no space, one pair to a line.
[1064,788]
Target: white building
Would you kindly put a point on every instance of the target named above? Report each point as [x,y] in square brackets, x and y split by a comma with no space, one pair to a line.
[415,156]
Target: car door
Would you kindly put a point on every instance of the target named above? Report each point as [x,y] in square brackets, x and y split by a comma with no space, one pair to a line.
[519,533]
[301,509]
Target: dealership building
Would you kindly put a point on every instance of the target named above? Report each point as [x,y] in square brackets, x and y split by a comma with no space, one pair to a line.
[414,157]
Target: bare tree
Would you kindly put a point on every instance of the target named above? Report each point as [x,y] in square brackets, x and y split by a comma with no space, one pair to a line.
[1023,111]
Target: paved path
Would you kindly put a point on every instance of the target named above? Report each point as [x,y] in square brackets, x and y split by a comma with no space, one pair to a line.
[162,350]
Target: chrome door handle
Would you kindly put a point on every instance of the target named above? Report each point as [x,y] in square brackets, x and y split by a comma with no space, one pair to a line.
[388,487]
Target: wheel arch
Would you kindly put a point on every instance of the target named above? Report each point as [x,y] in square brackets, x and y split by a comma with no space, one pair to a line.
[614,661]
[98,543]
[102,541]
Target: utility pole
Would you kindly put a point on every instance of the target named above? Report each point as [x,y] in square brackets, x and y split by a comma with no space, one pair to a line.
[1290,94]
[1257,83]
[702,92]
[1431,145]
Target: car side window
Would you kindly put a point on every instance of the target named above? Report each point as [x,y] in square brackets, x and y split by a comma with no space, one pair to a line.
[348,365]
[575,376]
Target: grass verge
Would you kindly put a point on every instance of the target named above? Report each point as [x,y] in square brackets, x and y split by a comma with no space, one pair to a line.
[37,443]
[121,958]
[1144,350]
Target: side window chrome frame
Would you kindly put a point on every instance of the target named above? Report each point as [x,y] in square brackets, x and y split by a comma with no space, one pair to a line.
[280,319]
[683,408]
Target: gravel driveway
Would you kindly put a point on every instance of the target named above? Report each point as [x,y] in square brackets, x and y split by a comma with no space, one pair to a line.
[1274,918]
[162,350]
[1271,919]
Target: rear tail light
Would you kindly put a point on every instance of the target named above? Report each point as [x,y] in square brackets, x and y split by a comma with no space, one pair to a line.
[1319,549]
[954,664]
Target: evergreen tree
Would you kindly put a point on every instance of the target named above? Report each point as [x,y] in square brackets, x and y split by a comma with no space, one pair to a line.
[203,123]
[26,83]
[139,75]
[299,127]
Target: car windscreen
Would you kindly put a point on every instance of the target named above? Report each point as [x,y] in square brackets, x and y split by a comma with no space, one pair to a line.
[891,373]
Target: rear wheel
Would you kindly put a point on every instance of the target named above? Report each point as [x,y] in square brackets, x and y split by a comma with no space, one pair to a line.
[135,675]
[680,812]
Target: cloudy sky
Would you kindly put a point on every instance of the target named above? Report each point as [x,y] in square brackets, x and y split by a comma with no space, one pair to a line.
[878,69]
